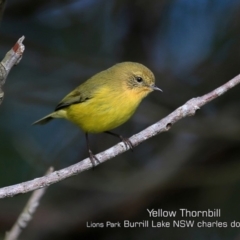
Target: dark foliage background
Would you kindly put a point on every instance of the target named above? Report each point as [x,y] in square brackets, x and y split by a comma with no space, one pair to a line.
[191,46]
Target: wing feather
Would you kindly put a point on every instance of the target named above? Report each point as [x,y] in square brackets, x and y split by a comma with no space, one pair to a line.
[72,98]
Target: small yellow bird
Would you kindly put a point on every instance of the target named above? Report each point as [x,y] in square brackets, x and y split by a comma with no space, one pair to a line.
[106,100]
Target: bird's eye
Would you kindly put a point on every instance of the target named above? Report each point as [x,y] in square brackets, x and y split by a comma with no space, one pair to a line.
[139,79]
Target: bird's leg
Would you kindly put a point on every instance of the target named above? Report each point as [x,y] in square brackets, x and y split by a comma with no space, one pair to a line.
[92,157]
[126,141]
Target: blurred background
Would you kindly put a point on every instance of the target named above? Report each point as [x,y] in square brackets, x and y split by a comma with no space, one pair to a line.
[191,46]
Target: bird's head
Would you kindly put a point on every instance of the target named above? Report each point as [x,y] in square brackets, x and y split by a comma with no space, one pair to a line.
[137,78]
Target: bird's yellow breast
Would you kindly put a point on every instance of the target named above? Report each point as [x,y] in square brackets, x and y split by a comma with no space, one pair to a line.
[106,110]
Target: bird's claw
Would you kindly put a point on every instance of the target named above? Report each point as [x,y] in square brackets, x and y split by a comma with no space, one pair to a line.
[93,159]
[127,143]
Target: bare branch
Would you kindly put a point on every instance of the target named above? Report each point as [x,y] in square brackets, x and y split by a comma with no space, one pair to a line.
[27,213]
[12,58]
[188,109]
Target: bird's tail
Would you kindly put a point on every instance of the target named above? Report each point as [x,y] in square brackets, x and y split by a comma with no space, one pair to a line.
[44,120]
[57,114]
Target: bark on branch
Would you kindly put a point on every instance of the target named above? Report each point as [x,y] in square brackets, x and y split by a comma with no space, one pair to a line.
[188,109]
[13,57]
[27,213]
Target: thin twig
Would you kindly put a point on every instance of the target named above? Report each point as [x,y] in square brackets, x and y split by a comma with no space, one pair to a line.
[27,213]
[13,57]
[188,109]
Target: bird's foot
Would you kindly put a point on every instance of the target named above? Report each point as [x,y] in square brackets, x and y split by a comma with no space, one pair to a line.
[127,142]
[93,159]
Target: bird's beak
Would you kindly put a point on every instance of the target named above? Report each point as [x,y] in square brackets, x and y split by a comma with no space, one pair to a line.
[156,88]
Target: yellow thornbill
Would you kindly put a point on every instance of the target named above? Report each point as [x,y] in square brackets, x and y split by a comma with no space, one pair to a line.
[106,100]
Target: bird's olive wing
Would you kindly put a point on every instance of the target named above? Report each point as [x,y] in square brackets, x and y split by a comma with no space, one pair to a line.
[84,92]
[72,98]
